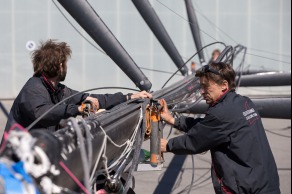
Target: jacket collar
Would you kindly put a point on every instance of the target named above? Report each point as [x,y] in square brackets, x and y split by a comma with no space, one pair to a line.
[48,84]
[222,97]
[55,92]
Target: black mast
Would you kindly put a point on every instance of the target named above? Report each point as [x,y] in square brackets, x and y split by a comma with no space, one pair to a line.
[154,23]
[88,19]
[195,28]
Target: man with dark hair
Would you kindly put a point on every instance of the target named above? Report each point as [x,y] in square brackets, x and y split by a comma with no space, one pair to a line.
[242,160]
[44,90]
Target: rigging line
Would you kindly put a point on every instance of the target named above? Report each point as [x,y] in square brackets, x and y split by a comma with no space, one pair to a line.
[111,141]
[264,51]
[216,26]
[87,40]
[289,63]
[261,67]
[204,185]
[221,37]
[198,185]
[72,176]
[99,48]
[171,128]
[222,32]
[83,153]
[207,53]
[97,159]
[129,144]
[88,141]
[105,161]
[161,4]
[241,67]
[179,180]
[101,88]
[77,29]
[126,152]
[191,59]
[202,176]
[159,71]
[235,40]
[185,19]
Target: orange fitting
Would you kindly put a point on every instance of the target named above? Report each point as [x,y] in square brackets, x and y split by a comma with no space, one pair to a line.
[83,106]
[155,116]
[154,159]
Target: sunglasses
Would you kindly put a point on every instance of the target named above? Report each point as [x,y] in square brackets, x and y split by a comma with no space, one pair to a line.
[207,69]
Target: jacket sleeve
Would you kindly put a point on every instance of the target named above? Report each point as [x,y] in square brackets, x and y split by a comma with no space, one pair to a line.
[185,123]
[205,135]
[34,102]
[108,101]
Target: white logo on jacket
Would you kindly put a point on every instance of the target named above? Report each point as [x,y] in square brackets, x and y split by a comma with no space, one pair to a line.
[249,114]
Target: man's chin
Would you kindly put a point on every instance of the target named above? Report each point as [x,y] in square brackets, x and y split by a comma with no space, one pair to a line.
[208,101]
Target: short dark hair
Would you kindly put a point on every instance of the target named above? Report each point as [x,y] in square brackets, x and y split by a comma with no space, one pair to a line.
[226,72]
[48,57]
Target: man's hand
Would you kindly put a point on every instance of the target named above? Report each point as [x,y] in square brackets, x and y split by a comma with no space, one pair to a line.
[163,143]
[165,114]
[142,95]
[94,102]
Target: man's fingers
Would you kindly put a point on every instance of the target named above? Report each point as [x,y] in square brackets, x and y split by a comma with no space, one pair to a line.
[94,101]
[142,94]
[146,94]
[164,105]
[163,143]
[149,95]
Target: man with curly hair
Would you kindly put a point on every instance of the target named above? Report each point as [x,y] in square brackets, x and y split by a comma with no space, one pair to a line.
[44,90]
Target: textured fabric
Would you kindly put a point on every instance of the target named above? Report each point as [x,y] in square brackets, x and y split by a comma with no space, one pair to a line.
[232,130]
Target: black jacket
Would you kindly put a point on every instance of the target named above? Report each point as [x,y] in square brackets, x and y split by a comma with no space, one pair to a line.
[242,160]
[38,95]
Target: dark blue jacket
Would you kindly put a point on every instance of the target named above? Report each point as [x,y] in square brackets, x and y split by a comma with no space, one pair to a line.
[38,95]
[242,160]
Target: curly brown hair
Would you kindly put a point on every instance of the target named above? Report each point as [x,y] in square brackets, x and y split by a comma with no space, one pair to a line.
[226,73]
[48,57]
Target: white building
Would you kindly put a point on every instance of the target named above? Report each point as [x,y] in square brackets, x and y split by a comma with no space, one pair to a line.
[264,26]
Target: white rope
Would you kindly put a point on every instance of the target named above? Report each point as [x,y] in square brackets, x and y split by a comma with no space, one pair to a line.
[130,145]
[98,158]
[105,162]
[102,153]
[119,146]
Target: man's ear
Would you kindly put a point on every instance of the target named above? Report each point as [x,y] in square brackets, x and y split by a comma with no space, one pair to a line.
[225,85]
[61,67]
